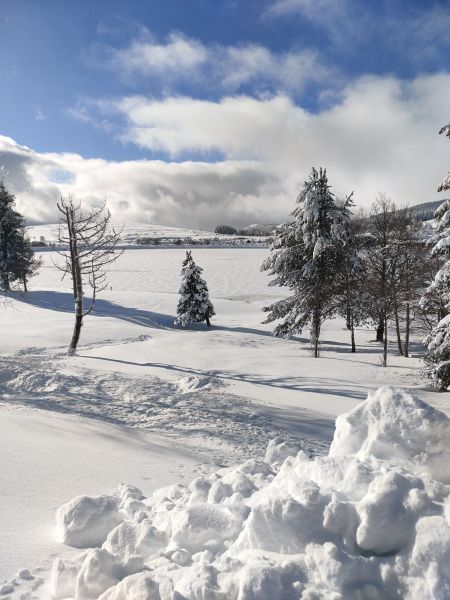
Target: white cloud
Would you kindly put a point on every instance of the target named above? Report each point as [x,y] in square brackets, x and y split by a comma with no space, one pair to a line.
[182,59]
[40,115]
[185,194]
[179,55]
[372,139]
[382,135]
[310,8]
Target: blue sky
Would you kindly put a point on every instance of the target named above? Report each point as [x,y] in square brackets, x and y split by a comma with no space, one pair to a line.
[213,82]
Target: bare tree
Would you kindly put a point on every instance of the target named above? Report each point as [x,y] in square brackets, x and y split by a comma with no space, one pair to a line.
[382,258]
[413,266]
[92,244]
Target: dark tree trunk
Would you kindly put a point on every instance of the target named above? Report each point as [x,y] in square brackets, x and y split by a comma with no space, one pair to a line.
[380,330]
[208,322]
[316,333]
[352,328]
[397,329]
[408,327]
[76,333]
[348,319]
[25,287]
[77,281]
[5,282]
[385,344]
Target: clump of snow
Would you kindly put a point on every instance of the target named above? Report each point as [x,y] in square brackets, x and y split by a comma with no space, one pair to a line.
[369,521]
[190,383]
[85,521]
[396,426]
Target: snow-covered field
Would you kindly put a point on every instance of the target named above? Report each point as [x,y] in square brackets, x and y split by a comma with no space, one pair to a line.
[149,404]
[130,232]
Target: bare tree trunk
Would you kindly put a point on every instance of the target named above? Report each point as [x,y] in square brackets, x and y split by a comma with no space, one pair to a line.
[408,328]
[316,333]
[385,344]
[397,329]
[25,287]
[5,282]
[352,325]
[380,330]
[77,284]
[76,332]
[208,322]
[348,319]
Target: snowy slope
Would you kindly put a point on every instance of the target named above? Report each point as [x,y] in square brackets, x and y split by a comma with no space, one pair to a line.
[208,397]
[130,232]
[45,457]
[369,521]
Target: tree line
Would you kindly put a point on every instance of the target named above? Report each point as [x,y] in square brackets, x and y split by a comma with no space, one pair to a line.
[373,269]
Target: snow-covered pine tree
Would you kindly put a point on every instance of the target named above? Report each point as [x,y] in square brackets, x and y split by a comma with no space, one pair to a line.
[25,264]
[11,223]
[194,305]
[303,258]
[438,341]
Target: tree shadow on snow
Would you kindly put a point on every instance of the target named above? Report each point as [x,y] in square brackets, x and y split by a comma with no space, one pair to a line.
[313,385]
[63,302]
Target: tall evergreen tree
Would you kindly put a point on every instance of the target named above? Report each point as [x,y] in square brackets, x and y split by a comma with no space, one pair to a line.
[438,341]
[304,258]
[194,305]
[11,223]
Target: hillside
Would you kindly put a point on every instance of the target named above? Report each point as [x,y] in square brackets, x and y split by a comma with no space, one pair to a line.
[149,234]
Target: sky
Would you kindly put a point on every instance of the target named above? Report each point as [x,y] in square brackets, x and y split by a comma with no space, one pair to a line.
[199,112]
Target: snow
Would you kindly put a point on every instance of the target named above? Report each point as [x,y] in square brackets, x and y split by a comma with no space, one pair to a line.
[130,232]
[49,457]
[147,403]
[85,522]
[370,520]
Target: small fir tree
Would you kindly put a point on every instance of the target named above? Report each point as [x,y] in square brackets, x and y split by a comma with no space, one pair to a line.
[304,258]
[194,305]
[438,341]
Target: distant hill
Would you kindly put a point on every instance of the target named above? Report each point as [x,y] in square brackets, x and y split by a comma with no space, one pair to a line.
[144,234]
[425,211]
[259,229]
[131,232]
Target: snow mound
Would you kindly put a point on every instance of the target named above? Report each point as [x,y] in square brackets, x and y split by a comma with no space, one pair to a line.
[392,424]
[369,521]
[191,383]
[85,521]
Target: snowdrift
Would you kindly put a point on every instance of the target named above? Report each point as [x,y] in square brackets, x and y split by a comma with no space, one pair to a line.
[369,521]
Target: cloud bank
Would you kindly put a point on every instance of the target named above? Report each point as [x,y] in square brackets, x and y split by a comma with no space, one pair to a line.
[379,135]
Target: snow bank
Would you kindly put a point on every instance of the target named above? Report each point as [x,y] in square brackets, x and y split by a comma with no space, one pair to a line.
[369,521]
